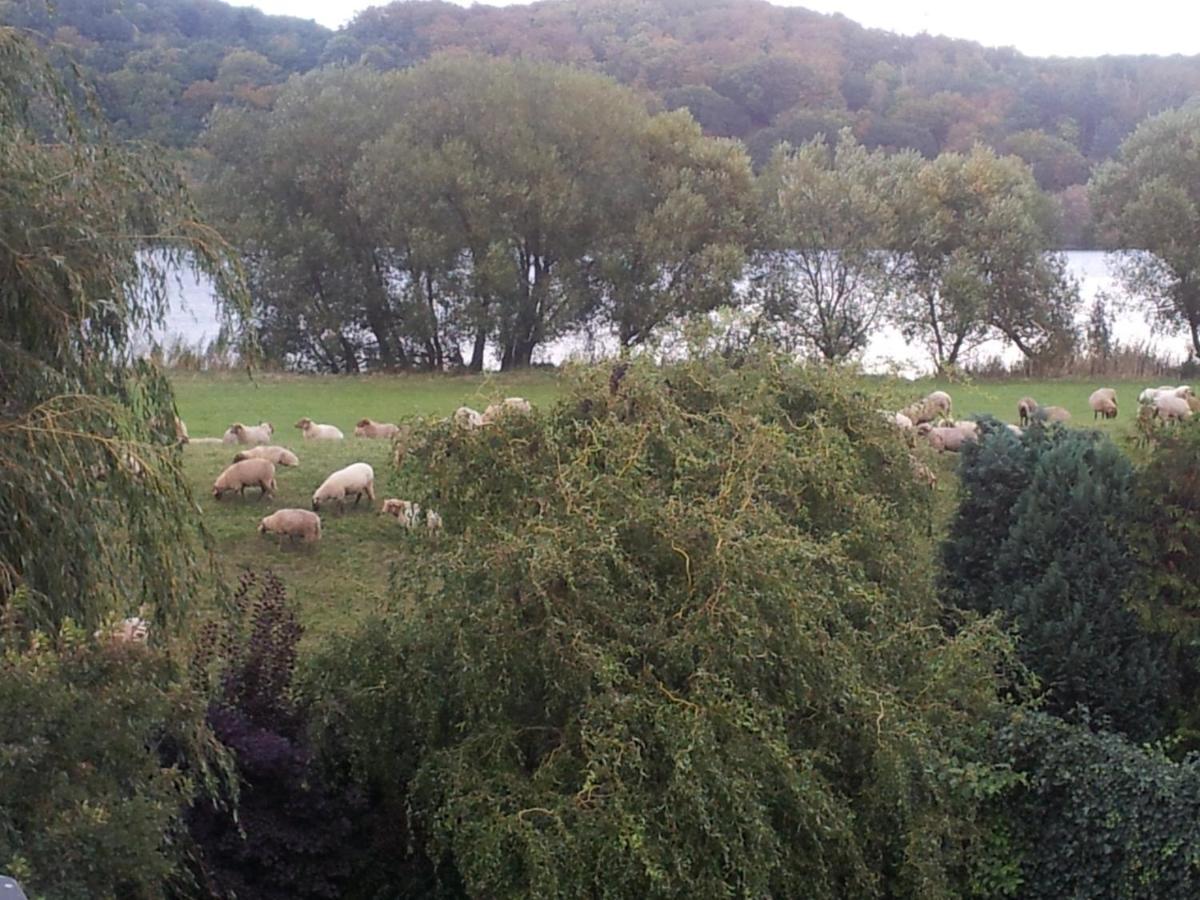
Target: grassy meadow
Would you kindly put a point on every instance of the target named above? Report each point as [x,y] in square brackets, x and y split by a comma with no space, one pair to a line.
[346,573]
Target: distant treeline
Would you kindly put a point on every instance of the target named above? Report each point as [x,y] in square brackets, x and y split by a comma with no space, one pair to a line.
[744,68]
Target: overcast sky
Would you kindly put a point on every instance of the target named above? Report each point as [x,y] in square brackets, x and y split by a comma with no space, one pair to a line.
[1035,27]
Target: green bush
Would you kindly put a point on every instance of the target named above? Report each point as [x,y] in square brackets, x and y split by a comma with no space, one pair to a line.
[678,639]
[1096,816]
[1042,535]
[90,802]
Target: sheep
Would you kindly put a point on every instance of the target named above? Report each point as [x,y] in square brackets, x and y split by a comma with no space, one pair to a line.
[510,405]
[408,513]
[356,479]
[1171,407]
[281,456]
[966,425]
[1149,395]
[1103,402]
[952,438]
[900,420]
[209,440]
[1050,414]
[133,630]
[249,434]
[258,473]
[314,432]
[1025,409]
[292,524]
[369,428]
[1015,429]
[926,410]
[467,418]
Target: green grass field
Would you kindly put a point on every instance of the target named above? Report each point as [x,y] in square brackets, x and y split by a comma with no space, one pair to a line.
[346,573]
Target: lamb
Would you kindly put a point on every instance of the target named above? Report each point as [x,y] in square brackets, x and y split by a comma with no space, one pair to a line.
[1103,402]
[926,410]
[1025,409]
[465,417]
[408,514]
[1171,407]
[1051,414]
[258,473]
[314,432]
[356,479]
[292,524]
[369,428]
[281,456]
[510,405]
[249,434]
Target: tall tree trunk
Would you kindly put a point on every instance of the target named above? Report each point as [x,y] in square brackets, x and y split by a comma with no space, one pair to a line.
[478,349]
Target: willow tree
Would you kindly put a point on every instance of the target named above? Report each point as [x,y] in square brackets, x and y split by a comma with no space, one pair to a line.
[94,512]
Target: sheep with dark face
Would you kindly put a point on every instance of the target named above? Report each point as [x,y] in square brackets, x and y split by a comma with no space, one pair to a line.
[1025,409]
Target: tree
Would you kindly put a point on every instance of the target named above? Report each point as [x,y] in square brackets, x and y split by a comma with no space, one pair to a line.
[1147,205]
[96,515]
[671,651]
[973,236]
[826,274]
[104,741]
[1042,535]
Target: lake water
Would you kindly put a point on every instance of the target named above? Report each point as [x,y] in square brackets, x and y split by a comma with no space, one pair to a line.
[194,317]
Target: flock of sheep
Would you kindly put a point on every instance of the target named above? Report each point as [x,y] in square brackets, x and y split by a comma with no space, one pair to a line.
[930,417]
[254,467]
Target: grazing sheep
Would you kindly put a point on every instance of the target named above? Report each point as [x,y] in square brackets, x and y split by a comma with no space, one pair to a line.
[181,434]
[292,524]
[1025,409]
[369,428]
[258,473]
[952,438]
[1103,402]
[465,417]
[929,408]
[1170,407]
[133,630]
[408,514]
[356,479]
[249,434]
[1050,414]
[281,456]
[510,405]
[314,432]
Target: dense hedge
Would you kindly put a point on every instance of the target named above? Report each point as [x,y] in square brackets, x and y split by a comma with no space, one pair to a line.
[1096,816]
[677,639]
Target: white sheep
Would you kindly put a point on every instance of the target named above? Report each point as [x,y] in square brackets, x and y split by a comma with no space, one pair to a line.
[1171,407]
[281,456]
[314,432]
[356,479]
[1103,402]
[258,473]
[238,433]
[929,408]
[369,428]
[292,524]
[1026,407]
[966,425]
[509,405]
[467,418]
